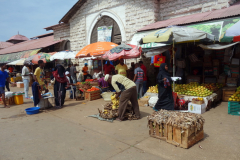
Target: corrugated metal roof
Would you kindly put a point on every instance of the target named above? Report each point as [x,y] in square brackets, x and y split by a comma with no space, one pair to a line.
[199,17]
[43,35]
[5,44]
[31,44]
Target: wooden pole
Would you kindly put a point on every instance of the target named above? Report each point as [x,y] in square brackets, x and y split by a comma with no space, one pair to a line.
[173,52]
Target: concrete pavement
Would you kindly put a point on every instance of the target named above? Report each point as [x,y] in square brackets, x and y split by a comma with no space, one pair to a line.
[68,133]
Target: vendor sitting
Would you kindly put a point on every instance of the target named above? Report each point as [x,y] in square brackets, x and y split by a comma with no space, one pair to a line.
[128,91]
[102,84]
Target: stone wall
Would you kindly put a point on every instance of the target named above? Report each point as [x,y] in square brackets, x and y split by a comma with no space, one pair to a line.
[138,14]
[62,31]
[177,8]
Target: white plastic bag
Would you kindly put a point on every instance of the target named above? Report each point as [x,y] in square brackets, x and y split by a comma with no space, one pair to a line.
[8,94]
[80,77]
[152,101]
[94,75]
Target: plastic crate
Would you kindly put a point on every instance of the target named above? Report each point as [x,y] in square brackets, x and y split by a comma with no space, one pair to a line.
[234,108]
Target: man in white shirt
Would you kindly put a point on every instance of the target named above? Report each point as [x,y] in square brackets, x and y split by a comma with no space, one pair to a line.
[26,79]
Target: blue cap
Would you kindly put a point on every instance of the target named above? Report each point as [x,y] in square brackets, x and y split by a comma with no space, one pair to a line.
[86,64]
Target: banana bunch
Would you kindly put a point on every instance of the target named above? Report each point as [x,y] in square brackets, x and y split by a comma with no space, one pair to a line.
[115,102]
[153,89]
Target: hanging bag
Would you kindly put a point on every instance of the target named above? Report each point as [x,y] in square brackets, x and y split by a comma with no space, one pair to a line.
[158,60]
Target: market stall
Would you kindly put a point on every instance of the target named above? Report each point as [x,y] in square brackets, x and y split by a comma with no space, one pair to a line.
[215,67]
[13,98]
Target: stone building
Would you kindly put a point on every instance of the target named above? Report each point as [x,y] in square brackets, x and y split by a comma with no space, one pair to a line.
[79,25]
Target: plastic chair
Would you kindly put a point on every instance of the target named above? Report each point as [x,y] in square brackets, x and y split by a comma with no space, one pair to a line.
[71,90]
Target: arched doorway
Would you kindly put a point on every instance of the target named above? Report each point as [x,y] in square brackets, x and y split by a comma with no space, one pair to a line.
[107,21]
[67,46]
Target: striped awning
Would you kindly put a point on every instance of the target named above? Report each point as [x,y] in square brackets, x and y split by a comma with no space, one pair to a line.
[7,58]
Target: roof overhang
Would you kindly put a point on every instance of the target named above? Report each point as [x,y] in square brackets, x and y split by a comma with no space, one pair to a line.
[194,18]
[72,11]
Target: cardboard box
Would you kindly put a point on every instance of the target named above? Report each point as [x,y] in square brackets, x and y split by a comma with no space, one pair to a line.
[143,102]
[20,84]
[13,85]
[196,108]
[231,82]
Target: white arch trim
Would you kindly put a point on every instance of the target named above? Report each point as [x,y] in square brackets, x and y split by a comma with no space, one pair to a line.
[113,16]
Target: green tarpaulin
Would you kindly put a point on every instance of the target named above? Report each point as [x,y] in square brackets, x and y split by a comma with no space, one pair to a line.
[217,28]
[6,58]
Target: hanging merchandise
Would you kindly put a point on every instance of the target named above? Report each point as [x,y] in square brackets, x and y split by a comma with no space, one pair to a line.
[181,63]
[158,60]
[193,58]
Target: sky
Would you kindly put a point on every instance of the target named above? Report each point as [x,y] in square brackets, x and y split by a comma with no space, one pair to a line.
[29,17]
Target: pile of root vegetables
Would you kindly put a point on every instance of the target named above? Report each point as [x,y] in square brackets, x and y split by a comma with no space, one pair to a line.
[182,120]
[110,110]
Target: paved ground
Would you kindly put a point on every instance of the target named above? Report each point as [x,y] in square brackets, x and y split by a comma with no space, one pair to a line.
[69,134]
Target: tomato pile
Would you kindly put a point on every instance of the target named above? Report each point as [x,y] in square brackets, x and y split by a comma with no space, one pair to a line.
[93,89]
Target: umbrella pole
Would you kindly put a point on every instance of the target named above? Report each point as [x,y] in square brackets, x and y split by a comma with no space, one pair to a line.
[102,65]
[173,52]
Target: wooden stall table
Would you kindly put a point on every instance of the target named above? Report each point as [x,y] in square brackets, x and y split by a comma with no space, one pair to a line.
[228,92]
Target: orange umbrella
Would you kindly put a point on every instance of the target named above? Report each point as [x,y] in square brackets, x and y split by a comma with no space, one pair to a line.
[96,49]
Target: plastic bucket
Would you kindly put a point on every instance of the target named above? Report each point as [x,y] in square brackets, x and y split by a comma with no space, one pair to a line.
[18,99]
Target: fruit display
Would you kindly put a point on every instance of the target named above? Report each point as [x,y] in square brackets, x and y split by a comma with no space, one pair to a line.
[93,89]
[235,96]
[198,99]
[84,85]
[212,86]
[153,89]
[192,89]
[238,89]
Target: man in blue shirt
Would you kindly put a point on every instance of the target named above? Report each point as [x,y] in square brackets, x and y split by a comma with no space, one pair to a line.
[3,77]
